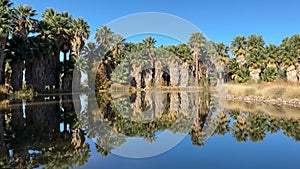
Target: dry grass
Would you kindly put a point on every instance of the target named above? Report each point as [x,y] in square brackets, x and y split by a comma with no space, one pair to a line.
[3,90]
[266,90]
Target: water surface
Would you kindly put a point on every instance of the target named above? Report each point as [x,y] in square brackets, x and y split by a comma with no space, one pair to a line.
[167,129]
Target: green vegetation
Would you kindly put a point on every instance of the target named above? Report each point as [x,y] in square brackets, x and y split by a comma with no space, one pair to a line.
[34,47]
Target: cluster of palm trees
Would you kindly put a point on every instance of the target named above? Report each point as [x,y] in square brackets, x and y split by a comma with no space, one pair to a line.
[34,47]
[49,51]
[245,60]
[255,61]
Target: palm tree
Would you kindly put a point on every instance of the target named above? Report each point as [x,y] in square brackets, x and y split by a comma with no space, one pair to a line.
[6,21]
[236,73]
[271,71]
[56,27]
[238,49]
[16,51]
[36,63]
[23,25]
[117,49]
[24,21]
[149,45]
[271,55]
[104,37]
[78,36]
[197,44]
[183,52]
[81,32]
[91,52]
[255,57]
[289,56]
[222,60]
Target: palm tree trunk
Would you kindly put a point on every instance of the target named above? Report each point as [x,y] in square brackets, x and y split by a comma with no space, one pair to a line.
[196,69]
[36,73]
[298,71]
[17,67]
[148,79]
[3,41]
[65,57]
[254,73]
[174,73]
[76,80]
[291,74]
[184,75]
[137,74]
[158,73]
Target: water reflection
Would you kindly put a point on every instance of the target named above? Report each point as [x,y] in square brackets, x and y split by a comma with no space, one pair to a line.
[48,132]
[32,136]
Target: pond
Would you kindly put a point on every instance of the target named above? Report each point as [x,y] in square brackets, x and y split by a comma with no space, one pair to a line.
[174,129]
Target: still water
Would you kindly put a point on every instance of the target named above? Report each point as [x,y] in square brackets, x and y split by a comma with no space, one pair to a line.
[147,130]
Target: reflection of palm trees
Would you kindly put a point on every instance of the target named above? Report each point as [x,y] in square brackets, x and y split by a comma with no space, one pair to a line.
[40,131]
[198,134]
[253,127]
[4,154]
[257,126]
[141,115]
[239,128]
[223,124]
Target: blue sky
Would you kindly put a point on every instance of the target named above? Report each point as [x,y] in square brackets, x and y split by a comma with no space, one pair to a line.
[219,20]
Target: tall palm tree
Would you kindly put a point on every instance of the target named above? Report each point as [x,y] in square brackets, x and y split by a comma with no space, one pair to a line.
[81,32]
[149,45]
[295,40]
[6,21]
[271,54]
[106,39]
[104,36]
[117,49]
[56,27]
[184,54]
[197,43]
[16,51]
[222,60]
[36,62]
[78,36]
[289,56]
[23,25]
[238,49]
[271,72]
[24,21]
[255,57]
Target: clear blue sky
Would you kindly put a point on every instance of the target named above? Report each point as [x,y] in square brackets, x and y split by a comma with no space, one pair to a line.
[219,20]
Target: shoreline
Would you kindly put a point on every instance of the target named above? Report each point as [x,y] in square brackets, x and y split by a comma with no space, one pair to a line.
[295,102]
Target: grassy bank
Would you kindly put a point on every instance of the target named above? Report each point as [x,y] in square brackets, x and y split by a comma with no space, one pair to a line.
[277,90]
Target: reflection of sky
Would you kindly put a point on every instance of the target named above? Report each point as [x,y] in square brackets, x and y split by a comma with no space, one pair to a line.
[138,147]
[275,151]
